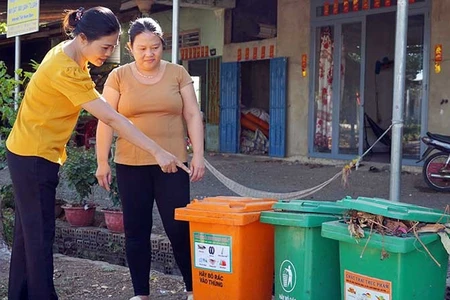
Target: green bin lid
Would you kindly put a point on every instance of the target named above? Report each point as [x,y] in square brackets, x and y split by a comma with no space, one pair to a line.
[395,210]
[309,206]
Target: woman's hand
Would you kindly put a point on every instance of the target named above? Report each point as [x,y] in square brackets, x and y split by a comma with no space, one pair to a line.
[168,162]
[197,167]
[103,175]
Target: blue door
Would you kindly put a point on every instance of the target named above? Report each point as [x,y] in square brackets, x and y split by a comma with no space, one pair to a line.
[277,132]
[229,107]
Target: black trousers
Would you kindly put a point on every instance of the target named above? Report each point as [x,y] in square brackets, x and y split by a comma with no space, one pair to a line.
[139,186]
[31,269]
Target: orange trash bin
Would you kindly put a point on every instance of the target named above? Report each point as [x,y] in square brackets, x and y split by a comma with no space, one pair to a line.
[232,252]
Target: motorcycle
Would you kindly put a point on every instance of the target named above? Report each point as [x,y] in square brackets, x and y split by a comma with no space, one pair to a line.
[436,168]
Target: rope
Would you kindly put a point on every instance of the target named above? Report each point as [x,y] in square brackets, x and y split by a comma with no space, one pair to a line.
[244,191]
[379,139]
[248,192]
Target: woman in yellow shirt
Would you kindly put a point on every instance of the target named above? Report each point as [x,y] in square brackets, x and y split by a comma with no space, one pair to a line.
[159,98]
[60,87]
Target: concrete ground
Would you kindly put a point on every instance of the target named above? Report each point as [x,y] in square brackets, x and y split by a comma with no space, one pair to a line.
[266,174]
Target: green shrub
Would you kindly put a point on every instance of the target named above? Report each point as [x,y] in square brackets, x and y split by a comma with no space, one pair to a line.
[7,213]
[79,171]
[8,103]
[3,28]
[114,190]
[8,225]
[7,196]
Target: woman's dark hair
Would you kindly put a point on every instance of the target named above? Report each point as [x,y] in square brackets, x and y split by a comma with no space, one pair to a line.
[142,25]
[94,23]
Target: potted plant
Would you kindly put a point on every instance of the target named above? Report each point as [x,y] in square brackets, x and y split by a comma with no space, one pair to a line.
[79,171]
[113,213]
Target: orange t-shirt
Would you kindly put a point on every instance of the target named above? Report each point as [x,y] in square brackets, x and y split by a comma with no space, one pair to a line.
[156,109]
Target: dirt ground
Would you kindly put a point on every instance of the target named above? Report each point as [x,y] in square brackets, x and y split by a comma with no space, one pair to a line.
[83,279]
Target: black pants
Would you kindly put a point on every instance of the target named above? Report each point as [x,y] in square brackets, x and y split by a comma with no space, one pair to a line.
[139,186]
[31,269]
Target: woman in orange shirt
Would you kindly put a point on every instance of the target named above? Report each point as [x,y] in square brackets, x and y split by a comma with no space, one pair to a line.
[60,87]
[159,98]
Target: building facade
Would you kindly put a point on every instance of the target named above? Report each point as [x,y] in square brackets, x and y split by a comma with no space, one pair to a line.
[338,96]
[318,73]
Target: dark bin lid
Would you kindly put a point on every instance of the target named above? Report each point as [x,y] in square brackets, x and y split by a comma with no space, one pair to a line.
[309,206]
[395,210]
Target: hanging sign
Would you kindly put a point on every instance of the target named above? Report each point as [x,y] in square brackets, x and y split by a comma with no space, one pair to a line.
[304,64]
[326,8]
[438,53]
[336,7]
[22,17]
[247,53]
[239,54]
[346,6]
[355,5]
[437,58]
[263,52]
[272,51]
[365,5]
[255,52]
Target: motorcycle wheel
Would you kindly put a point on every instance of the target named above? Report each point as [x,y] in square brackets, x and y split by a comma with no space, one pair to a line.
[433,164]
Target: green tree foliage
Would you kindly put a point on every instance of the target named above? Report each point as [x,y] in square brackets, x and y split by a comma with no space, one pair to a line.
[9,103]
[3,28]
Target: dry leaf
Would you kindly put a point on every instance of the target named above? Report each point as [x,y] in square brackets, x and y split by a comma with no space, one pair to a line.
[355,230]
[445,240]
[384,254]
[431,228]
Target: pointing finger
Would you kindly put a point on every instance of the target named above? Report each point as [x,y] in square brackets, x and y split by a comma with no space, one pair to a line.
[183,166]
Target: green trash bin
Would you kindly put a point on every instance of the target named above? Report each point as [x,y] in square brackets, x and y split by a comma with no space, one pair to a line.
[386,267]
[306,264]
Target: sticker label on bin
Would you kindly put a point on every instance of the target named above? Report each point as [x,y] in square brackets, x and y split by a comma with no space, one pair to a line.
[362,287]
[288,276]
[288,280]
[212,252]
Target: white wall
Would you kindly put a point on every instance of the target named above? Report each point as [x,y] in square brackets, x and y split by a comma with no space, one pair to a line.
[210,23]
[293,40]
[439,88]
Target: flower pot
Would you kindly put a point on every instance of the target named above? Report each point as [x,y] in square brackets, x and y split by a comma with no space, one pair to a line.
[78,216]
[114,220]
